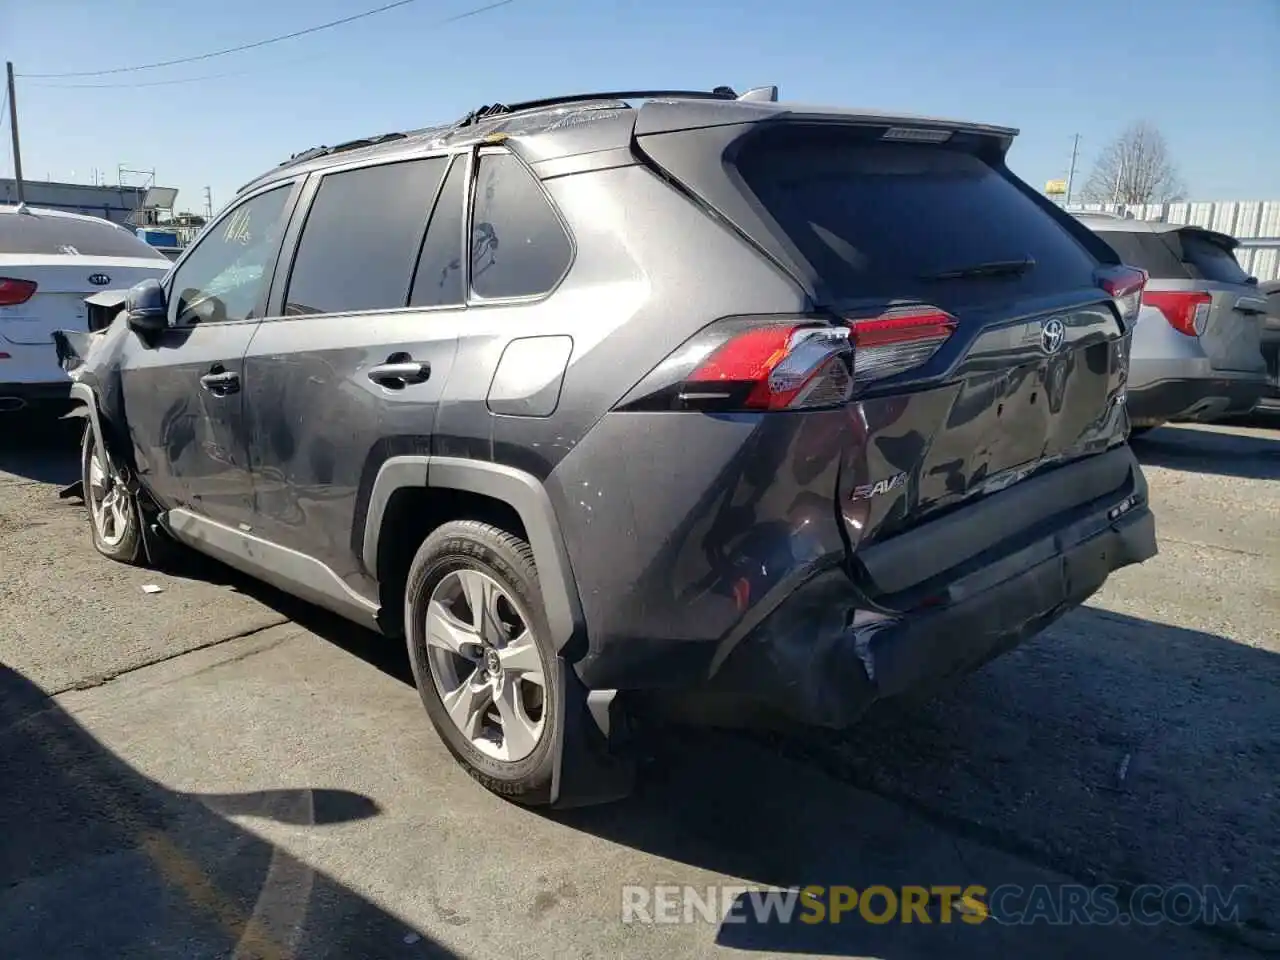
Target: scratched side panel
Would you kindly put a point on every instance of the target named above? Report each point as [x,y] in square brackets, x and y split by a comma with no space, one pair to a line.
[319,428]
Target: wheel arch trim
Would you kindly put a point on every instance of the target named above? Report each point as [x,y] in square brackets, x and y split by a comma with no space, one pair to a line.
[523,492]
[84,393]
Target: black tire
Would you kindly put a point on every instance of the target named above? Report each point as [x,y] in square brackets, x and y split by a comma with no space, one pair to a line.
[469,544]
[128,547]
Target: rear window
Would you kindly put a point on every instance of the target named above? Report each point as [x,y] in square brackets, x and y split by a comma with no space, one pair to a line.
[1148,251]
[1210,261]
[874,219]
[33,233]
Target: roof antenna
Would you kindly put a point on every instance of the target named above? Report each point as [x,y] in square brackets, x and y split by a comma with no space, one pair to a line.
[761,94]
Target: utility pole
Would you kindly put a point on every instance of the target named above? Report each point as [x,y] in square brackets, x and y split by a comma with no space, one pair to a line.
[13,130]
[208,204]
[1071,175]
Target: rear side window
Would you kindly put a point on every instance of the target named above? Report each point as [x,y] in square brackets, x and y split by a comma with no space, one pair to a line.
[519,247]
[876,219]
[1209,260]
[361,238]
[1148,251]
[438,280]
[33,233]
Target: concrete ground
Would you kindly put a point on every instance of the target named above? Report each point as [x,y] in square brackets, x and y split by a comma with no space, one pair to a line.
[216,770]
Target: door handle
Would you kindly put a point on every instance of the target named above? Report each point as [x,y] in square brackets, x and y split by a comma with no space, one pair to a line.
[399,374]
[1251,305]
[221,382]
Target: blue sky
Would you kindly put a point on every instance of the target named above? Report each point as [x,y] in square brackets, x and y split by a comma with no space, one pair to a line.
[1208,74]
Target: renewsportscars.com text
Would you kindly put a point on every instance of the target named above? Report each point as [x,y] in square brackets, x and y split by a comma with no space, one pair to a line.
[1063,904]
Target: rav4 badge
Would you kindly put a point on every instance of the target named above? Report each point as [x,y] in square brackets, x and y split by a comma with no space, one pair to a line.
[868,490]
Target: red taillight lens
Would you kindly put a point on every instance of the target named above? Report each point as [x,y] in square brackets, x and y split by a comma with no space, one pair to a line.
[1124,285]
[774,367]
[1187,311]
[896,341]
[14,292]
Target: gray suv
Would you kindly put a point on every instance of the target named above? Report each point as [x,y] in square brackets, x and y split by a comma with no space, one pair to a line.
[614,397]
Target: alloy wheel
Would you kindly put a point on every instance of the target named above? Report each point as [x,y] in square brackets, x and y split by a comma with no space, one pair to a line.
[108,500]
[485,664]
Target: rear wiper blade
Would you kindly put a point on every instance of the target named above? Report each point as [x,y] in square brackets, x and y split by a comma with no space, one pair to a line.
[991,268]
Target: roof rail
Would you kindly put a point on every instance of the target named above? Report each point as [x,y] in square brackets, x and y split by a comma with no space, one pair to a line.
[501,109]
[304,155]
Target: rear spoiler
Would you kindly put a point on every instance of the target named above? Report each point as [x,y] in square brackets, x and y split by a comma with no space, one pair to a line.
[1224,240]
[669,116]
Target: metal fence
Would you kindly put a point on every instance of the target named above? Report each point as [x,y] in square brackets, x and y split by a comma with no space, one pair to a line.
[1255,223]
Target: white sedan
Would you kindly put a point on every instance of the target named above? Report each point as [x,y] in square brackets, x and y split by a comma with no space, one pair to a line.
[49,262]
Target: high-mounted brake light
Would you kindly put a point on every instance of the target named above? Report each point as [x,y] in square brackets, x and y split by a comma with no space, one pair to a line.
[775,367]
[896,341]
[917,134]
[14,292]
[1124,285]
[1186,310]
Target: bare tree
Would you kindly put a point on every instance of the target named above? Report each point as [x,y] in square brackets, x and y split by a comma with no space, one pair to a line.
[1134,168]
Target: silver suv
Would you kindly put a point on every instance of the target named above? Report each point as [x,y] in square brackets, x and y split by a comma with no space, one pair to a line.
[1197,349]
[621,395]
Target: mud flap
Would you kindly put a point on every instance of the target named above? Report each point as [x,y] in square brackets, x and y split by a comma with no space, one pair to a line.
[594,764]
[73,491]
[155,542]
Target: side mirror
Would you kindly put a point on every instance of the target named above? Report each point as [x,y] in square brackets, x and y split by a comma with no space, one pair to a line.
[145,307]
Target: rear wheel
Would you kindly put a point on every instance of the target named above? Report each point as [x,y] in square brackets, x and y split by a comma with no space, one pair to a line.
[482,657]
[113,511]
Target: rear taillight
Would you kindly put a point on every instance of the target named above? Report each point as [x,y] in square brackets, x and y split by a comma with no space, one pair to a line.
[782,366]
[790,362]
[1186,310]
[897,340]
[1124,285]
[14,292]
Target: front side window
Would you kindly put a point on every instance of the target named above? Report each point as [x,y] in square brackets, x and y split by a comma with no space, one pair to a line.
[519,247]
[361,239]
[224,275]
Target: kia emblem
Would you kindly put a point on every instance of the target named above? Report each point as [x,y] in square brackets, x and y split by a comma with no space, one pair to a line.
[99,279]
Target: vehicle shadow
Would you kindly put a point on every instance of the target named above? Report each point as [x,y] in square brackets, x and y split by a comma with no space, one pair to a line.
[101,861]
[1210,451]
[1107,750]
[41,448]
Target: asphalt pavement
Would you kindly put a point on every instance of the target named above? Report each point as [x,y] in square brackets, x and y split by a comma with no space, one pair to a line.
[213,769]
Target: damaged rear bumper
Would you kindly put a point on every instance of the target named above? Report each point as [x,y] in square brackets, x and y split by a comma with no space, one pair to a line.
[819,660]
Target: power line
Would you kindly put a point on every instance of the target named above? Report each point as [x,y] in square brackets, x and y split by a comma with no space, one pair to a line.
[262,43]
[145,83]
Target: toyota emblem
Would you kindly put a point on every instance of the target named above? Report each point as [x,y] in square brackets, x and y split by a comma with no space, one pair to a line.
[1052,335]
[99,279]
